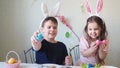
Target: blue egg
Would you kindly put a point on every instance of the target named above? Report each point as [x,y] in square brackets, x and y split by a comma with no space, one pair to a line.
[90,65]
[39,37]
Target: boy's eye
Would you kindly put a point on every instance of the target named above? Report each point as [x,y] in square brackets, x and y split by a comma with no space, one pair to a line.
[49,27]
[54,27]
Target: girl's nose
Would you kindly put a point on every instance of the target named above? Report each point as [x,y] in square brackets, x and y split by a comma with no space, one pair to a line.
[92,31]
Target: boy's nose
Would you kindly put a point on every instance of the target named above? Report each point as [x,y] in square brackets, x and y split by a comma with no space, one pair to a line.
[51,29]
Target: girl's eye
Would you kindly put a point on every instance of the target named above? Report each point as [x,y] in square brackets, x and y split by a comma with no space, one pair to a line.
[96,28]
[89,29]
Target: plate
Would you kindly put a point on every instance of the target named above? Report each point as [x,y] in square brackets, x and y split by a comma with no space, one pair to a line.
[108,67]
[50,66]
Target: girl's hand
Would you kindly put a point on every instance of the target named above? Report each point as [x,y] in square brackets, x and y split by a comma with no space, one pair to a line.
[104,47]
[68,60]
[103,50]
[93,47]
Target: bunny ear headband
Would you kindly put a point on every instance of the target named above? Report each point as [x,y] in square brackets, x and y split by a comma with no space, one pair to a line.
[46,13]
[98,7]
[54,13]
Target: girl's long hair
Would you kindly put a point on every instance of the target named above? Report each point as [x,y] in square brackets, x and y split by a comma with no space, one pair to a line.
[101,24]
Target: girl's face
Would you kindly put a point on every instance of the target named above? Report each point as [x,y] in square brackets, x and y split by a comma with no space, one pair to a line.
[93,30]
[49,30]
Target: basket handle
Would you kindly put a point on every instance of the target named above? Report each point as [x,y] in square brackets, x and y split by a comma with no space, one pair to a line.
[14,53]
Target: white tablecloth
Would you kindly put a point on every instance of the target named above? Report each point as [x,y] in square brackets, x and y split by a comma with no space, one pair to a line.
[22,65]
[28,65]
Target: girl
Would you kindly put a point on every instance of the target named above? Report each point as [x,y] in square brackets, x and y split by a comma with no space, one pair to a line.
[90,51]
[48,50]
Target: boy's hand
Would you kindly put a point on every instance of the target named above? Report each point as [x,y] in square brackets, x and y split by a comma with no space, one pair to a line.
[35,43]
[68,60]
[33,38]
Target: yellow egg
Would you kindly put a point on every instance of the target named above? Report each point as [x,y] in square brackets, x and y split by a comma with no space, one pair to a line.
[12,61]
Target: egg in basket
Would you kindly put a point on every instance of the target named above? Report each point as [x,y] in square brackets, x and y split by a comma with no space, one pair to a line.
[12,62]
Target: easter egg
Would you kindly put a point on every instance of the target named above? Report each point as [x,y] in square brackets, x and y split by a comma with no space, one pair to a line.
[97,42]
[39,36]
[67,34]
[104,41]
[12,61]
[90,65]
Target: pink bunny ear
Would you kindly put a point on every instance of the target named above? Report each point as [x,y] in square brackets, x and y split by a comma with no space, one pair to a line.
[44,9]
[87,6]
[55,10]
[64,21]
[99,5]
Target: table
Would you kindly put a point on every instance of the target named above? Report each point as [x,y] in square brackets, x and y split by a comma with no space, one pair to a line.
[22,65]
[28,65]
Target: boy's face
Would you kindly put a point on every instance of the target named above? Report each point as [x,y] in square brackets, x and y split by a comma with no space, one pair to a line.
[49,30]
[93,30]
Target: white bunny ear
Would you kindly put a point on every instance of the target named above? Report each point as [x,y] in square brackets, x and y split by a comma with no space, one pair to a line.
[99,6]
[55,10]
[44,9]
[88,8]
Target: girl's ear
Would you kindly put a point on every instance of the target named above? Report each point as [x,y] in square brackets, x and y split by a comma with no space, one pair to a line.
[44,9]
[55,10]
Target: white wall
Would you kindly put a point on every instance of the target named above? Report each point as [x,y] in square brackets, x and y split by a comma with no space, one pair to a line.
[20,18]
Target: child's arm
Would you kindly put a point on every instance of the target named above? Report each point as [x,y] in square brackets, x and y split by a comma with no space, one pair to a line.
[68,60]
[35,43]
[103,49]
[90,51]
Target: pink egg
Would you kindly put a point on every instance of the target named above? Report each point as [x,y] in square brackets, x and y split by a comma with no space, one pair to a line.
[104,41]
[97,42]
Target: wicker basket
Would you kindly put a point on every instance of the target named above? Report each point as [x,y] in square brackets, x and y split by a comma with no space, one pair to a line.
[15,65]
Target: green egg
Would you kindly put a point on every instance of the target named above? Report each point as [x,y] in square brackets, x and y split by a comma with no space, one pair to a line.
[67,34]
